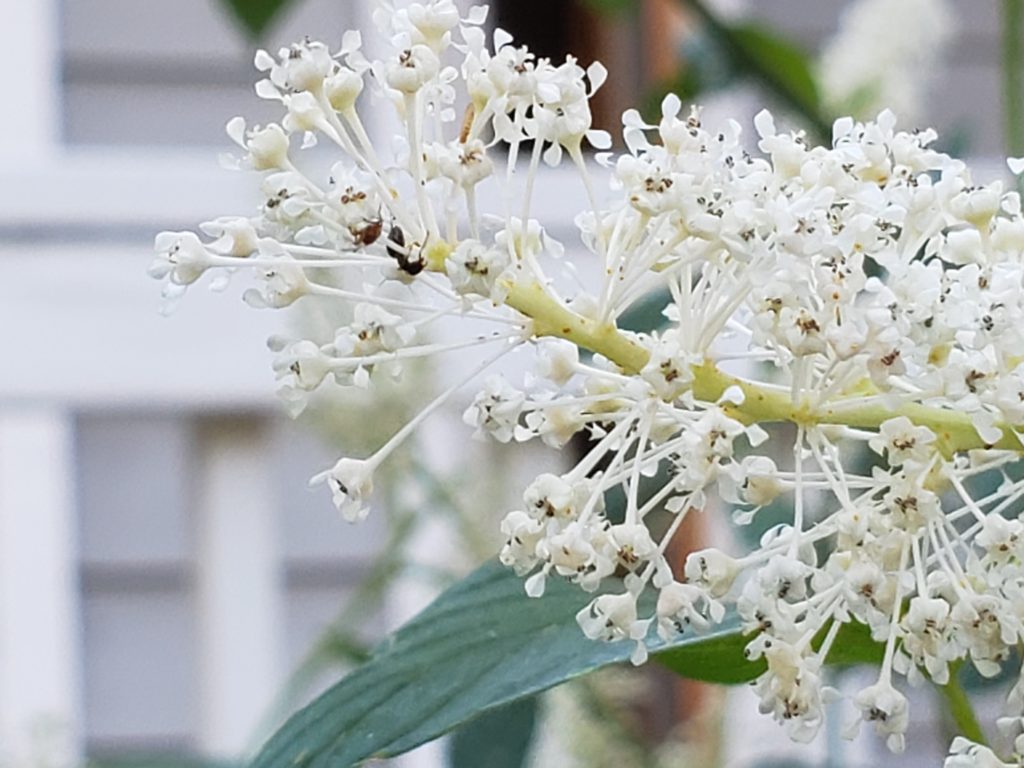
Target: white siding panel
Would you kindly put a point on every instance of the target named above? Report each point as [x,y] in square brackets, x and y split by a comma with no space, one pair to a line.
[39,632]
[239,589]
[151,29]
[171,114]
[133,480]
[148,72]
[28,132]
[98,339]
[140,669]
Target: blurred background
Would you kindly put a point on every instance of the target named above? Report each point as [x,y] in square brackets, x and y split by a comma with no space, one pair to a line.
[169,587]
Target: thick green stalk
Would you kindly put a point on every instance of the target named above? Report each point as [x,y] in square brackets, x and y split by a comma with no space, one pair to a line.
[1013,79]
[958,704]
[762,403]
[552,318]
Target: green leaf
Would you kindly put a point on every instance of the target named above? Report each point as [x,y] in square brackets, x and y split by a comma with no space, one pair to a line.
[646,315]
[613,7]
[500,738]
[157,761]
[481,644]
[720,661]
[853,645]
[256,16]
[778,60]
[775,62]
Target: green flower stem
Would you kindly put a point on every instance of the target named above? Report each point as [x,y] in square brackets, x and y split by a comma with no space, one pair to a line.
[1013,79]
[552,318]
[762,403]
[958,704]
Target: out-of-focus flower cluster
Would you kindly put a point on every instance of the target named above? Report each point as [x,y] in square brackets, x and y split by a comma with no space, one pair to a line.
[885,55]
[876,289]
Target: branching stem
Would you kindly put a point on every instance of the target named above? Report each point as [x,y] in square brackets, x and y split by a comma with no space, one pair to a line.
[762,403]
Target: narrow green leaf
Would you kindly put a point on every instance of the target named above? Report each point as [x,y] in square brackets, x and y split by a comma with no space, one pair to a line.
[853,645]
[778,59]
[500,738]
[776,63]
[721,661]
[256,16]
[646,315]
[481,644]
[158,761]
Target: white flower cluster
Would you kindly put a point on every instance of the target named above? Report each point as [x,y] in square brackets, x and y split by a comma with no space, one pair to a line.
[883,287]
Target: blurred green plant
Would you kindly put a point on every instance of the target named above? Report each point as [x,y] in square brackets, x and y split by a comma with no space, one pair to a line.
[256,16]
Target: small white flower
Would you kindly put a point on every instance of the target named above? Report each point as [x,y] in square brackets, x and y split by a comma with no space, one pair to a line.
[434,21]
[681,606]
[372,330]
[555,424]
[464,164]
[343,88]
[886,708]
[977,205]
[670,369]
[1002,539]
[927,639]
[522,534]
[496,410]
[304,114]
[559,361]
[614,617]
[712,569]
[474,268]
[267,146]
[964,753]
[351,483]
[304,363]
[550,496]
[234,235]
[282,285]
[301,67]
[181,258]
[901,441]
[412,69]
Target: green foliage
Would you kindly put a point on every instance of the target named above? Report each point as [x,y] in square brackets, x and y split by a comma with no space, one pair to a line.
[256,16]
[776,63]
[779,62]
[612,6]
[158,761]
[717,661]
[853,645]
[481,645]
[500,738]
[647,314]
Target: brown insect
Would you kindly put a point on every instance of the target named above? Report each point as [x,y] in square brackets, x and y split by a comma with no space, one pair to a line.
[368,232]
